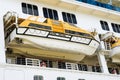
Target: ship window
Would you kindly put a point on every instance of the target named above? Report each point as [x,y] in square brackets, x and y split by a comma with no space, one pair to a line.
[35,10]
[24,9]
[116,27]
[82,67]
[61,65]
[30,9]
[111,70]
[50,13]
[21,61]
[48,63]
[60,78]
[104,25]
[81,79]
[96,69]
[38,77]
[68,17]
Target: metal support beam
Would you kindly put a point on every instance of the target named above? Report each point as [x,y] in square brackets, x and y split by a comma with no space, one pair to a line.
[102,62]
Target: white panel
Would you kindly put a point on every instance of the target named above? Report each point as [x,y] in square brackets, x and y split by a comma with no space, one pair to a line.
[37,32]
[21,30]
[81,40]
[12,74]
[1,74]
[94,44]
[58,37]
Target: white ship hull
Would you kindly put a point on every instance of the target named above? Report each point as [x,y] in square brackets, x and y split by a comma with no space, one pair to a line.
[37,47]
[17,72]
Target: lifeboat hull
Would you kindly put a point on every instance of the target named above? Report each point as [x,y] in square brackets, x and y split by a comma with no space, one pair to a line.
[115,54]
[53,44]
[56,42]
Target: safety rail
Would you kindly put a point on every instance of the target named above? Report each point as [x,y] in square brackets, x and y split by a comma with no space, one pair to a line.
[68,65]
[96,3]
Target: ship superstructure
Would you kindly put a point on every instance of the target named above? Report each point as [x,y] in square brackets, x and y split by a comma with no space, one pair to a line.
[60,40]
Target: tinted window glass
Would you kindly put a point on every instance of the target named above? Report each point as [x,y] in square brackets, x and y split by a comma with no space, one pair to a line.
[35,9]
[68,17]
[104,25]
[30,9]
[24,8]
[50,13]
[116,27]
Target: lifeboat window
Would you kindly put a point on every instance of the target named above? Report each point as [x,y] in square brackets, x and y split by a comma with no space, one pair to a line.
[104,25]
[30,9]
[60,78]
[39,26]
[50,13]
[38,77]
[78,33]
[68,17]
[116,27]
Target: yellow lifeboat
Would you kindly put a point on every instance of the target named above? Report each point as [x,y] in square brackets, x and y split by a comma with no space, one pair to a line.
[44,37]
[115,50]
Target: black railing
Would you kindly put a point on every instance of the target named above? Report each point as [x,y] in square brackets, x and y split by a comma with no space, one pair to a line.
[104,5]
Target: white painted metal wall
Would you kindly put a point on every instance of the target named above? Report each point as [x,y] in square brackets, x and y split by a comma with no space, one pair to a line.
[15,72]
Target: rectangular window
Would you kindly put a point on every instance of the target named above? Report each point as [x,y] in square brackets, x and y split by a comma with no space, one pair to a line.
[50,13]
[30,9]
[68,17]
[35,10]
[96,69]
[60,78]
[104,25]
[61,65]
[38,77]
[81,79]
[21,61]
[48,63]
[24,7]
[82,67]
[116,27]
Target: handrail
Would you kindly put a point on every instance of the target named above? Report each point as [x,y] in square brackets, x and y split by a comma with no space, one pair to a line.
[104,5]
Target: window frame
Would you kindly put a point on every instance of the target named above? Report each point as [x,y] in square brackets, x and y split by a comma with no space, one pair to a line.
[115,27]
[60,78]
[38,77]
[81,79]
[29,9]
[69,17]
[104,25]
[50,13]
